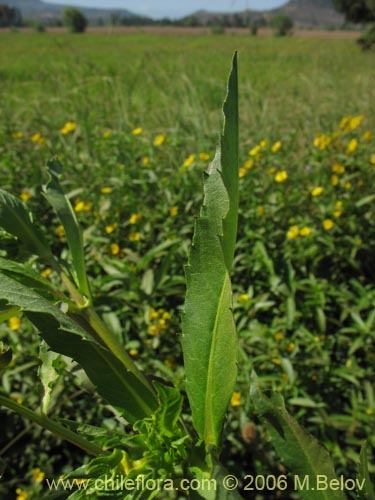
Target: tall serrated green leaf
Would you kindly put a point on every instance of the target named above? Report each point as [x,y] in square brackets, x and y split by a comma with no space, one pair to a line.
[16,220]
[64,210]
[209,337]
[229,164]
[298,450]
[119,386]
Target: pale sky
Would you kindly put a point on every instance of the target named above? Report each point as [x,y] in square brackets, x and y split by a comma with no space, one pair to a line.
[173,8]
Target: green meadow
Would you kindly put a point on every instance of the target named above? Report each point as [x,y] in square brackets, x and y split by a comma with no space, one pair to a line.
[135,120]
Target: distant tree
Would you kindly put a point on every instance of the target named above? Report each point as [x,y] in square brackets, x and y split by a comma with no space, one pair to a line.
[357,11]
[282,24]
[74,20]
[360,11]
[9,16]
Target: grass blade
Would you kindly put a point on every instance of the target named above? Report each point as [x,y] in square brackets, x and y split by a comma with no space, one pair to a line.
[64,210]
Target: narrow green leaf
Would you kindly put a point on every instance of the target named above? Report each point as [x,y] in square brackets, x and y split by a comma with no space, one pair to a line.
[229,164]
[64,210]
[119,386]
[16,220]
[365,486]
[298,450]
[209,337]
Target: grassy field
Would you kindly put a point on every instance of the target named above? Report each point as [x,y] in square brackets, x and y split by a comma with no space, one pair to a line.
[135,119]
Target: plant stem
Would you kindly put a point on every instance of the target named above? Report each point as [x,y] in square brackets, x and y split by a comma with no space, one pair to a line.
[114,345]
[52,426]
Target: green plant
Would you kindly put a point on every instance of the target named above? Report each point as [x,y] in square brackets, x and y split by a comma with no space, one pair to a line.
[282,24]
[74,20]
[161,446]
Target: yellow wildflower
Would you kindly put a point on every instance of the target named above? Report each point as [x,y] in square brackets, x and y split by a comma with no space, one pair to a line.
[305,231]
[328,224]
[279,336]
[255,151]
[110,228]
[344,122]
[17,135]
[79,206]
[38,139]
[134,236]
[145,160]
[153,314]
[21,494]
[291,346]
[322,141]
[367,136]
[17,399]
[115,249]
[25,195]
[107,134]
[235,400]
[337,168]
[14,323]
[60,231]
[173,211]
[337,213]
[133,352]
[260,211]
[163,323]
[47,272]
[373,159]
[248,164]
[204,156]
[356,121]
[334,180]
[189,161]
[87,207]
[352,146]
[159,140]
[281,176]
[276,147]
[134,218]
[317,191]
[153,330]
[244,297]
[106,190]
[369,411]
[276,361]
[68,128]
[347,185]
[292,233]
[242,172]
[263,144]
[38,475]
[137,131]
[167,315]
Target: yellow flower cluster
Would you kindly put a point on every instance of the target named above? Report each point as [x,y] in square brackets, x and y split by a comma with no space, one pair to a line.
[295,231]
[160,320]
[248,165]
[134,218]
[159,140]
[81,206]
[317,191]
[137,131]
[25,195]
[38,139]
[322,141]
[68,128]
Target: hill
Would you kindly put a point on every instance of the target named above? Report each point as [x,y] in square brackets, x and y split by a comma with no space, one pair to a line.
[48,12]
[305,14]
